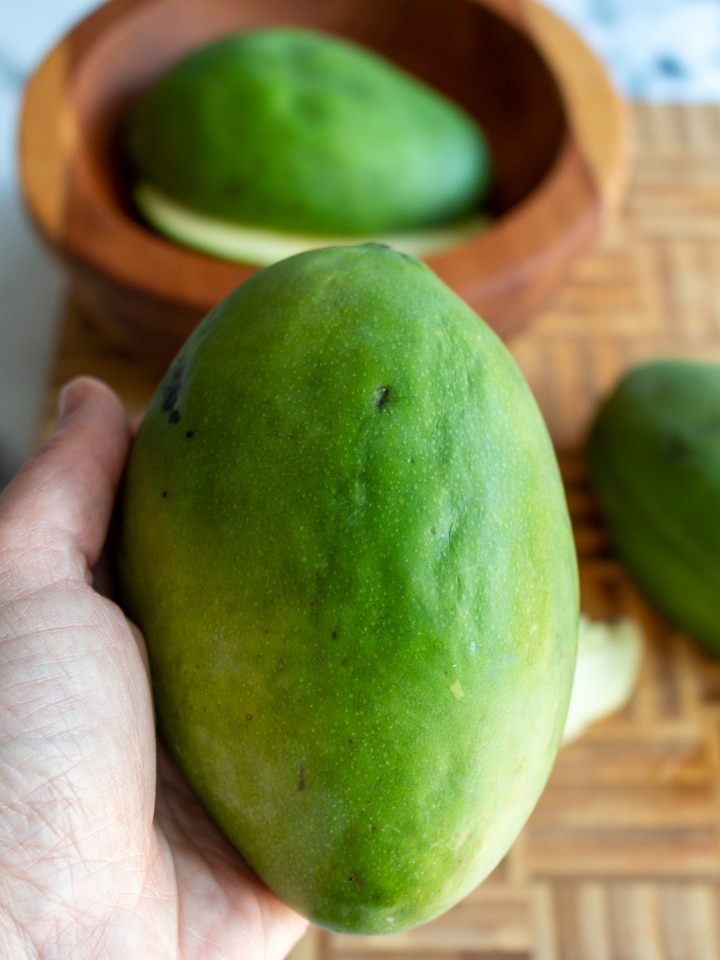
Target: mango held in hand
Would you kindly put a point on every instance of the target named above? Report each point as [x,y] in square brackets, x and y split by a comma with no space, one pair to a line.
[654,458]
[345,538]
[300,132]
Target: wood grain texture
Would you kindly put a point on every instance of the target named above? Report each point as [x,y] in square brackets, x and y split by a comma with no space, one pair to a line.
[621,858]
[600,116]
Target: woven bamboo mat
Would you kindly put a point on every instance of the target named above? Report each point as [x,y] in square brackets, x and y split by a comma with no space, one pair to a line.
[621,858]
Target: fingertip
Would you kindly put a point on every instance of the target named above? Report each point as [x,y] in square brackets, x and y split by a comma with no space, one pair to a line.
[79,391]
[71,482]
[71,397]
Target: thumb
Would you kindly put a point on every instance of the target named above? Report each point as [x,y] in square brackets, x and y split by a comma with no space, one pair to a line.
[64,496]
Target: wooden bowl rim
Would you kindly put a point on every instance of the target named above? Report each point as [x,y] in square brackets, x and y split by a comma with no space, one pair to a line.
[52,155]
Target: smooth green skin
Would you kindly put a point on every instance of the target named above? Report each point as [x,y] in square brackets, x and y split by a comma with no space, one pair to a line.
[344,535]
[302,132]
[654,458]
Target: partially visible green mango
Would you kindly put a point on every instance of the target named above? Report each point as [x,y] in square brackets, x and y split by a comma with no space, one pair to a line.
[344,535]
[654,459]
[301,132]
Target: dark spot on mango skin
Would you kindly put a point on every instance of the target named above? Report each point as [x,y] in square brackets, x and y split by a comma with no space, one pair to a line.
[382,395]
[301,778]
[354,879]
[171,393]
[677,448]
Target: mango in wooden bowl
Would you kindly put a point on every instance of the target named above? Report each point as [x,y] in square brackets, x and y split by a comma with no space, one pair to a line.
[544,203]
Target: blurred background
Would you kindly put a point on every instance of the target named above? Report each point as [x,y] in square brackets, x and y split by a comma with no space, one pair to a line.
[661,50]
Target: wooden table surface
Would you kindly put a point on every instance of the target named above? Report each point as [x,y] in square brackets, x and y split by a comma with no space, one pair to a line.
[621,858]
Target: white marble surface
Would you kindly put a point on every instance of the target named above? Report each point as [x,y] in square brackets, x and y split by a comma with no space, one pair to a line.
[655,49]
[662,50]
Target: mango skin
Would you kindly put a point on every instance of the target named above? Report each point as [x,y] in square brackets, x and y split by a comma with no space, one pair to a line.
[296,131]
[654,459]
[345,538]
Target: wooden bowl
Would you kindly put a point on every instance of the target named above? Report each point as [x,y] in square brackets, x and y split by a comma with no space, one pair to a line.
[545,202]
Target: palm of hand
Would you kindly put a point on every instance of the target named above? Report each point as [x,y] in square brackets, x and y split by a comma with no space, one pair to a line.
[100,856]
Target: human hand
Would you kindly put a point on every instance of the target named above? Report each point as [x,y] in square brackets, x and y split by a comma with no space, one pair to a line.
[104,852]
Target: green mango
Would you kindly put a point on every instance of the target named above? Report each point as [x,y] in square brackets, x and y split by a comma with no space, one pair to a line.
[344,535]
[300,132]
[654,458]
